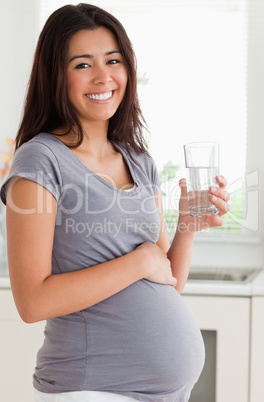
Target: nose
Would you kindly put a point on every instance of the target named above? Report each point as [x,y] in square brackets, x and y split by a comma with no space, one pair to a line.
[101,75]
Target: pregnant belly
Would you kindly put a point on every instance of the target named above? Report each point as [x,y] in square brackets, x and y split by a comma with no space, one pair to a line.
[142,339]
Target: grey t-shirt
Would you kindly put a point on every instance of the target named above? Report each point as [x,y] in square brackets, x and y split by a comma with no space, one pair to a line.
[142,342]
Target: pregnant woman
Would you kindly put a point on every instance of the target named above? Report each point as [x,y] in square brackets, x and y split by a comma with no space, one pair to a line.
[87,245]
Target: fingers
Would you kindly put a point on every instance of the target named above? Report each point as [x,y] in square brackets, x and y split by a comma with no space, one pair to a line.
[182,183]
[183,186]
[220,198]
[183,204]
[173,282]
[223,206]
[222,181]
[220,193]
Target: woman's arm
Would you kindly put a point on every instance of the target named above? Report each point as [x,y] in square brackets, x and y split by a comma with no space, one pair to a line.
[180,251]
[31,215]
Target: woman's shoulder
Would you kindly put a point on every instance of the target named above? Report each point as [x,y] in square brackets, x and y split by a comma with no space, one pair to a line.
[39,143]
[35,160]
[42,149]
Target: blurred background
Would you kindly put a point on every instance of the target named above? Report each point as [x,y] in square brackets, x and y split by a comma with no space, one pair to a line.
[200,78]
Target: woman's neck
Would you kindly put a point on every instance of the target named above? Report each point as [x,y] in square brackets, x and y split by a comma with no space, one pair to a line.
[95,141]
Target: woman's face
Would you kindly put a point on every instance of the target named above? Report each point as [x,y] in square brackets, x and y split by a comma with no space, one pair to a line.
[96,75]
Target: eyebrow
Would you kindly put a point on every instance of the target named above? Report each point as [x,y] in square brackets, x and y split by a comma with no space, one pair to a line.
[90,56]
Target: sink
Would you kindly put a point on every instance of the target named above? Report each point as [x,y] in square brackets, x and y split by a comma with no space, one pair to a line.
[241,275]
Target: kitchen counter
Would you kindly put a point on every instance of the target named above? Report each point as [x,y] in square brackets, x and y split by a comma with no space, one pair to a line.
[193,287]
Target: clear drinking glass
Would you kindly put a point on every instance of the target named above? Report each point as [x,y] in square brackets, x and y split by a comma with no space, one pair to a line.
[202,161]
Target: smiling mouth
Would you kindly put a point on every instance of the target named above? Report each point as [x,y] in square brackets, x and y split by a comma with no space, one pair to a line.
[104,96]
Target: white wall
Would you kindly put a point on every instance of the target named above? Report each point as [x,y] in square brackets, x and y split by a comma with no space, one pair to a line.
[17,42]
[255,93]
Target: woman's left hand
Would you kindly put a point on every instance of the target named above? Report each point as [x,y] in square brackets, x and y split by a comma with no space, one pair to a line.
[219,197]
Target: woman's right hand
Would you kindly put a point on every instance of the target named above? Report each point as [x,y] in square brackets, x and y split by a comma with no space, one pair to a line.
[156,263]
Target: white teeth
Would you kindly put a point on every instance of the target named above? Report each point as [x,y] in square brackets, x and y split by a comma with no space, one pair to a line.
[104,96]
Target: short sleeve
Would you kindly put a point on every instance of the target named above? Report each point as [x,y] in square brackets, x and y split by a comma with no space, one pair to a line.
[35,161]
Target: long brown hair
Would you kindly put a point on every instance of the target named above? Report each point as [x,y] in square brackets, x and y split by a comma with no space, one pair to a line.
[47,106]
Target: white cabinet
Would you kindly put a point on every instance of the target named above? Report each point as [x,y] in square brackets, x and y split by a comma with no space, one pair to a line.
[19,343]
[257,350]
[230,318]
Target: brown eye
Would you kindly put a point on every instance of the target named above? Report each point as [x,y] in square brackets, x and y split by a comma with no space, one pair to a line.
[82,65]
[114,61]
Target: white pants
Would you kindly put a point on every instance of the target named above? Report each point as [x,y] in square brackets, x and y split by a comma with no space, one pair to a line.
[81,396]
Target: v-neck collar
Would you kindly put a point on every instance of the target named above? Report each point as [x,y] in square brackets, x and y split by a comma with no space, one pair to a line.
[77,160]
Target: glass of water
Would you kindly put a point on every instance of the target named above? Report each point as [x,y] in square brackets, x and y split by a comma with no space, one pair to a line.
[202,161]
